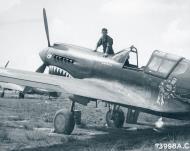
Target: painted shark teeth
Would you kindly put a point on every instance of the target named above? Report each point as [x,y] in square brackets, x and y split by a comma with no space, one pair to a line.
[58,71]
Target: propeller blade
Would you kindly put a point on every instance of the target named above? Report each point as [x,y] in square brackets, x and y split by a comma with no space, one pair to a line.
[7,64]
[46,26]
[41,69]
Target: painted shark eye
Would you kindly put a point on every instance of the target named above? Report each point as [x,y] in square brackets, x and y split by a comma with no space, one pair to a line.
[49,56]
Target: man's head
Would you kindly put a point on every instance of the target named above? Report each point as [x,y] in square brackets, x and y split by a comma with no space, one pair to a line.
[104,31]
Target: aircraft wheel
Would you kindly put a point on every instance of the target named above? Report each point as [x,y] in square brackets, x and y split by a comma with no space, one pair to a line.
[115,119]
[64,122]
[21,95]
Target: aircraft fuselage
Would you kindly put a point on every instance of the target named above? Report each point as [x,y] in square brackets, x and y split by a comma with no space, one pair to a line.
[83,63]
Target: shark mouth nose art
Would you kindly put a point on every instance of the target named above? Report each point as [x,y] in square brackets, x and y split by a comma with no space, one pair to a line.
[53,70]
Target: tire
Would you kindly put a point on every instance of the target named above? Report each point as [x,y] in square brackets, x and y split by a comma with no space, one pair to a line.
[118,119]
[64,122]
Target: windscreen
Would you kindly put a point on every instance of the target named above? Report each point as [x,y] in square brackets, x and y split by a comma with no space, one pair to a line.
[121,56]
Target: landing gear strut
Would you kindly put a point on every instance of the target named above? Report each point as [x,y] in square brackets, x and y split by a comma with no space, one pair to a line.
[115,117]
[64,121]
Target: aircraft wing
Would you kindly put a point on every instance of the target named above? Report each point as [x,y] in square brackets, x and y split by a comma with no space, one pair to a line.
[15,87]
[90,88]
[11,86]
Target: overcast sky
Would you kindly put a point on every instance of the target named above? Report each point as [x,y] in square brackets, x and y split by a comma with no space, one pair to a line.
[147,24]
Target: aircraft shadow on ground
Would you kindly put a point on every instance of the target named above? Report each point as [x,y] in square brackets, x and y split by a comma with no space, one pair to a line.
[121,139]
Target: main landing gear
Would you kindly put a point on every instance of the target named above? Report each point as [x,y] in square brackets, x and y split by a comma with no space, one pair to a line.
[64,121]
[115,117]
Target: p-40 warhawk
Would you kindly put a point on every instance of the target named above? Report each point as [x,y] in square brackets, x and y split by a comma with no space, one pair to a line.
[160,88]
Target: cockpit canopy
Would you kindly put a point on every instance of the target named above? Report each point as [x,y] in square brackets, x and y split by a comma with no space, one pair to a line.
[161,64]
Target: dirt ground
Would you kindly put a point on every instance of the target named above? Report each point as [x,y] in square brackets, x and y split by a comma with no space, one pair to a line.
[26,124]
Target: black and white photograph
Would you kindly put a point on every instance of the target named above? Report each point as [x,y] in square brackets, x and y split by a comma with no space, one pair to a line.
[94,75]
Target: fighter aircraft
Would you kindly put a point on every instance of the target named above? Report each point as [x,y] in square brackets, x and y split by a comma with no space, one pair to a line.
[159,88]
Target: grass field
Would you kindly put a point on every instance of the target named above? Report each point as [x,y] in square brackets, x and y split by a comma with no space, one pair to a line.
[26,124]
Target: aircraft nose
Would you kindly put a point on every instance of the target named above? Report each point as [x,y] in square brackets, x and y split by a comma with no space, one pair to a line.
[43,54]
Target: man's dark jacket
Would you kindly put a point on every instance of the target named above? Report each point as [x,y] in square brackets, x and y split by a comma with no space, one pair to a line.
[107,42]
